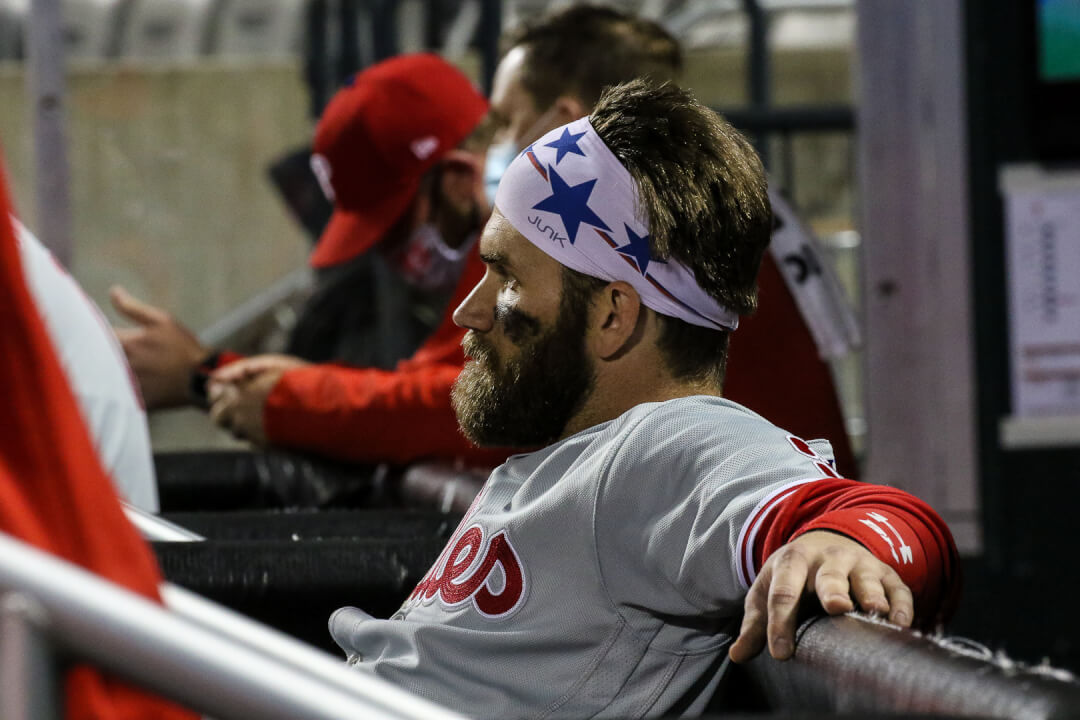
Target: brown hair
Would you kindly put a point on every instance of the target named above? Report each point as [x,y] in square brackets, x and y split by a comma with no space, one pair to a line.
[585,48]
[704,191]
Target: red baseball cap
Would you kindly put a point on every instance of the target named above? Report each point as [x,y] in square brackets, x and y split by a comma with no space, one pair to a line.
[376,139]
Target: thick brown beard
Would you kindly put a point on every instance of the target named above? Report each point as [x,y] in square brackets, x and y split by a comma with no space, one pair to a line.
[527,400]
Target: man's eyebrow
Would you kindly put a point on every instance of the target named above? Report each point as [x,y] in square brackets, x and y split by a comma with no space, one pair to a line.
[499,262]
[494,258]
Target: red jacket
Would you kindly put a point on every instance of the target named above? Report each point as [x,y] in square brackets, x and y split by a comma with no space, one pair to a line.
[404,415]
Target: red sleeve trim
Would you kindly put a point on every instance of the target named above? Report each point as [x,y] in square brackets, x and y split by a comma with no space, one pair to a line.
[744,554]
[872,515]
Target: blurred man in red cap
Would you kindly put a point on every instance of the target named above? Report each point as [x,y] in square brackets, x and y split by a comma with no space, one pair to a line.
[394,152]
[378,139]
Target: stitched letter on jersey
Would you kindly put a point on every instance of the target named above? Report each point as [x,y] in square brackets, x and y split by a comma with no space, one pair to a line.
[467,570]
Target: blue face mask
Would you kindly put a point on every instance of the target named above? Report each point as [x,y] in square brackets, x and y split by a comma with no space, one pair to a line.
[501,154]
[499,157]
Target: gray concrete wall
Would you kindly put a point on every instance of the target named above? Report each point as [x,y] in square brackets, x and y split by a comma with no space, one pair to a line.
[169,190]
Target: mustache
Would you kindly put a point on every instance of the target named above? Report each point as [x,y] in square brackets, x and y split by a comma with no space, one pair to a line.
[476,347]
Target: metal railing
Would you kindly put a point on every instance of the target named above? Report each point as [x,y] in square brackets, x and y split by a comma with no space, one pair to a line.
[204,657]
[155,529]
[344,36]
[257,316]
[784,123]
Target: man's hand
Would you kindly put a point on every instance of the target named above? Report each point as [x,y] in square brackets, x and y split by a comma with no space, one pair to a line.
[833,567]
[248,368]
[238,393]
[162,352]
[238,407]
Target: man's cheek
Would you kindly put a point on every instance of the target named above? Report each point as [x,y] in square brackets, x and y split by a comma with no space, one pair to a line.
[516,325]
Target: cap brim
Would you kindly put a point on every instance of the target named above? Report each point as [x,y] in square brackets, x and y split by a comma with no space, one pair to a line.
[350,233]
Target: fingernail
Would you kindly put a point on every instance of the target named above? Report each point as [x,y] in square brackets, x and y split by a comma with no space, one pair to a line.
[781,647]
[900,618]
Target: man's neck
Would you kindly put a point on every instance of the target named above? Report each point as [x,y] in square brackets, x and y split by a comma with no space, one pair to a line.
[612,396]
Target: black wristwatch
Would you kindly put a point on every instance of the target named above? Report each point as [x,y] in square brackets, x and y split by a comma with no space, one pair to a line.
[199,375]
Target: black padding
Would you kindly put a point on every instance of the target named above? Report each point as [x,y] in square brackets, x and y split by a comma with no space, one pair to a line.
[851,665]
[230,480]
[294,586]
[826,716]
[317,524]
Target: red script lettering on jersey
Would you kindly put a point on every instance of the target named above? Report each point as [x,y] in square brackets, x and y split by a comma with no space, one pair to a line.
[465,572]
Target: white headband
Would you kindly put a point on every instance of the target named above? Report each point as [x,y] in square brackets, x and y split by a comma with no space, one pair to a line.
[572,198]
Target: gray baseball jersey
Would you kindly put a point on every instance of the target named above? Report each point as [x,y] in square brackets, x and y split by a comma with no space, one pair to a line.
[599,577]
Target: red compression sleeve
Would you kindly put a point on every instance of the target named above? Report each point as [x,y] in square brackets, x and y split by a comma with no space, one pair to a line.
[901,530]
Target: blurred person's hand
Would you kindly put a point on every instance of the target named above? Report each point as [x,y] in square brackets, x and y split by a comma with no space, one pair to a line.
[248,368]
[238,406]
[161,352]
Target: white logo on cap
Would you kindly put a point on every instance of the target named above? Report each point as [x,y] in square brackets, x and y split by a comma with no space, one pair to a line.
[320,167]
[423,147]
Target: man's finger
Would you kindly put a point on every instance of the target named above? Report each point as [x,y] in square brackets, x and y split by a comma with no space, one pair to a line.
[830,581]
[220,415]
[248,368]
[214,391]
[126,336]
[134,309]
[901,603]
[222,399]
[785,591]
[869,592]
[235,372]
[751,638]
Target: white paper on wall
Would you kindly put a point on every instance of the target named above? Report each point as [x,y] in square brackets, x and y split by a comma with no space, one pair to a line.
[1042,238]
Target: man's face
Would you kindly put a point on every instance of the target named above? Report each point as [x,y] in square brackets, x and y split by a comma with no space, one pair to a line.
[529,372]
[516,116]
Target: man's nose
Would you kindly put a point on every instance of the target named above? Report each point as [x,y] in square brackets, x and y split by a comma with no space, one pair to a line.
[477,311]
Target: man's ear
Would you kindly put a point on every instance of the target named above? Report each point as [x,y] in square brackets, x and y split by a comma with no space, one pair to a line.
[568,108]
[618,318]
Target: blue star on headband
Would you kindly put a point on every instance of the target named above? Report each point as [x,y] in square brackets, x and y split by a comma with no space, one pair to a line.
[567,143]
[637,249]
[571,204]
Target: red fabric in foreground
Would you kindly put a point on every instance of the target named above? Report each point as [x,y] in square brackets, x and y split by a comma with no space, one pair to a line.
[53,491]
[841,505]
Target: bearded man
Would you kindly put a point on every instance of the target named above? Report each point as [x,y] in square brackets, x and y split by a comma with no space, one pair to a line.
[552,73]
[605,574]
